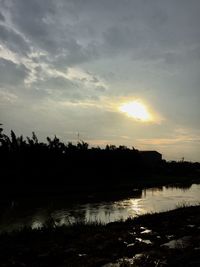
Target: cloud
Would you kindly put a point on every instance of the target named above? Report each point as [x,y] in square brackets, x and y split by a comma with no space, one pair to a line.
[2,18]
[13,40]
[46,29]
[64,86]
[72,33]
[90,53]
[7,97]
[12,74]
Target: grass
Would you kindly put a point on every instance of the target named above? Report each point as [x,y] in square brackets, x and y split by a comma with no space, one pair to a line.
[95,244]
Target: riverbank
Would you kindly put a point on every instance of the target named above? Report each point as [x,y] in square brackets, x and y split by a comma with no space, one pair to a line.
[163,239]
[97,192]
[30,168]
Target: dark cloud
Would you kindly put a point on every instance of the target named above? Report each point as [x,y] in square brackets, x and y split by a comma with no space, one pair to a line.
[2,18]
[78,31]
[12,74]
[56,87]
[13,41]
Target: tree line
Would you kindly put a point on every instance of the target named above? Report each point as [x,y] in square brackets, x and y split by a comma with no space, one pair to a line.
[29,163]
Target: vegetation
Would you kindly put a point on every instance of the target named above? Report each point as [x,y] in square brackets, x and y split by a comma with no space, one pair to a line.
[28,165]
[149,240]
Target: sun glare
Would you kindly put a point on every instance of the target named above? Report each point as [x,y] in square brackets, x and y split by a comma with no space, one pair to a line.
[136,110]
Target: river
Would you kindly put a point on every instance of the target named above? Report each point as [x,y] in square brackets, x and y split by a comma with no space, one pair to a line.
[35,212]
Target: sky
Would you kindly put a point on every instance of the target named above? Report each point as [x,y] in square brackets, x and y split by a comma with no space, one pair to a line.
[76,68]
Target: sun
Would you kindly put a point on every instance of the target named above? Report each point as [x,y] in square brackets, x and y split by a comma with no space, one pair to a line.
[136,110]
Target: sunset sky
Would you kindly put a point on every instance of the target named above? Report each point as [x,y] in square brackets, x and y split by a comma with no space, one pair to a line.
[122,72]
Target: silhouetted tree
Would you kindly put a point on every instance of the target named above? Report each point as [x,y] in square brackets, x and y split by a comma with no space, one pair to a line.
[59,163]
[82,145]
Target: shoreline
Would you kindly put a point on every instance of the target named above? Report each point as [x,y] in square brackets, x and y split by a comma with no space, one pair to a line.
[99,192]
[169,238]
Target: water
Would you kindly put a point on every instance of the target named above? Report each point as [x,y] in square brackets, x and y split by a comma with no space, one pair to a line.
[34,213]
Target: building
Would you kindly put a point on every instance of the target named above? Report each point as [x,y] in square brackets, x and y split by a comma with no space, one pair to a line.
[151,157]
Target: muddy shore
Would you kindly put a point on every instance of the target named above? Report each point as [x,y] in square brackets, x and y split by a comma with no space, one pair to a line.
[163,239]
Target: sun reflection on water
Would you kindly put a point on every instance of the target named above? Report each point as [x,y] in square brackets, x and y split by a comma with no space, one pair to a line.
[136,206]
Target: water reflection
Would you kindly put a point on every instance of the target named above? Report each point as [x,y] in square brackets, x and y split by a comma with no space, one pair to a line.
[136,206]
[34,213]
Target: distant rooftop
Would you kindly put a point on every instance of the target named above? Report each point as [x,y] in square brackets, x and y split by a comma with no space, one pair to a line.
[150,151]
